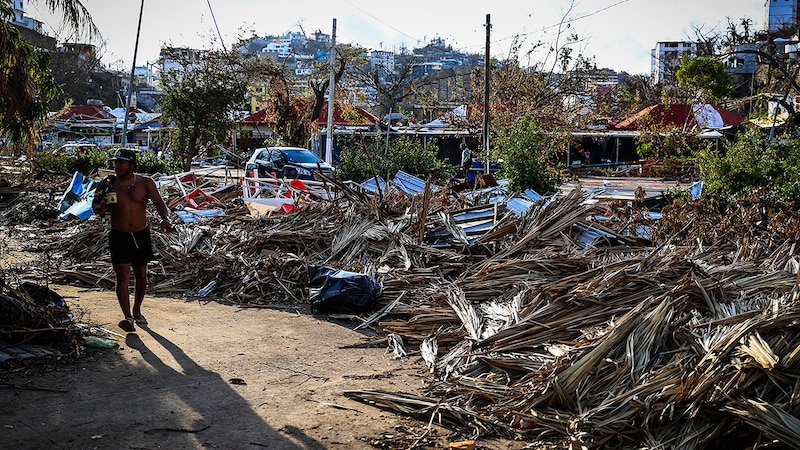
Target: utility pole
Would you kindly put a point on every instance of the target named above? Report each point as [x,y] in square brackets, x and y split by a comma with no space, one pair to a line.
[124,139]
[486,94]
[331,86]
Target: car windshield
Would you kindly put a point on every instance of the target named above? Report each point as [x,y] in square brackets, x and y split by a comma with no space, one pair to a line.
[300,156]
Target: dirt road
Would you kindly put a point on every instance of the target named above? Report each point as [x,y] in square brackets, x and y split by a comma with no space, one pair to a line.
[208,375]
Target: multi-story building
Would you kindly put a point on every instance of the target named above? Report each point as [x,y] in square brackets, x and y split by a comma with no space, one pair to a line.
[383,60]
[665,59]
[175,58]
[21,20]
[87,52]
[283,46]
[781,14]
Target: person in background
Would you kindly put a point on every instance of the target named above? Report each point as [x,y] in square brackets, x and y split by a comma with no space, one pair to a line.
[466,159]
[129,237]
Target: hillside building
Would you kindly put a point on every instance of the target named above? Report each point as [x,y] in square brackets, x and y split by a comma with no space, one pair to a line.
[23,21]
[781,14]
[665,59]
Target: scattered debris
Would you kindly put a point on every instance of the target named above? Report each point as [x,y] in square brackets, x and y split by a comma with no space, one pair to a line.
[562,320]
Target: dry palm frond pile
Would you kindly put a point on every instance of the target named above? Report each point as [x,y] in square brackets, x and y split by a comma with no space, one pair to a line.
[677,344]
[555,326]
[34,314]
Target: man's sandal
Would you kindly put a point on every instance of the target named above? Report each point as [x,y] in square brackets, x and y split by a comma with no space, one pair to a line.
[139,319]
[127,324]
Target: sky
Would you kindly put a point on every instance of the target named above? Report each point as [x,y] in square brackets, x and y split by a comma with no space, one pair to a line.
[617,34]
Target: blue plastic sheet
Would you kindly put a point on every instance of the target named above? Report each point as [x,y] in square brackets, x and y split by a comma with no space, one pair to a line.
[77,198]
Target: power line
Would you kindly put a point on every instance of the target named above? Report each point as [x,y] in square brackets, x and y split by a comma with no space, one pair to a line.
[215,24]
[381,21]
[571,20]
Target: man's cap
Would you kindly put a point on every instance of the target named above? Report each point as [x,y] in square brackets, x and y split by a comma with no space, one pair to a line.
[124,154]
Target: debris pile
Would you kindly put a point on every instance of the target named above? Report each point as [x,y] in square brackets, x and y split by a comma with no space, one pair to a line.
[562,321]
[34,315]
[676,344]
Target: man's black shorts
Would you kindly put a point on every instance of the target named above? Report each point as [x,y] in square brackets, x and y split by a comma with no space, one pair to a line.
[134,248]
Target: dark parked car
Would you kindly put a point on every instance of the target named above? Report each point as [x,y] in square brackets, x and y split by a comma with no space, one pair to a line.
[287,162]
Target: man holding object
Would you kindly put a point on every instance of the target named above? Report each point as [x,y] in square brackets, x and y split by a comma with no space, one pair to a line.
[129,238]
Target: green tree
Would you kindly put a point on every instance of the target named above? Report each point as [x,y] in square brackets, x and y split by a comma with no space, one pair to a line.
[658,141]
[202,98]
[530,154]
[753,161]
[26,84]
[707,76]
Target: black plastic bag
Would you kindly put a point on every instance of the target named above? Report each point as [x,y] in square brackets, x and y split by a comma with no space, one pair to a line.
[341,291]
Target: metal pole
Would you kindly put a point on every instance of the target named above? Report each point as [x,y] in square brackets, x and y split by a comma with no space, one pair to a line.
[388,129]
[331,86]
[486,94]
[130,86]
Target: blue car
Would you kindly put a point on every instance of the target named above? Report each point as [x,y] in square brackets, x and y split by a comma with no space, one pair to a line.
[288,162]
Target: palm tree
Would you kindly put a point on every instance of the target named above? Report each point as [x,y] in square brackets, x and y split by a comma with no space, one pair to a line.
[26,84]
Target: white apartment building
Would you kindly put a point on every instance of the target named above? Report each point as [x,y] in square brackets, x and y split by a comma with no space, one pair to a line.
[20,19]
[282,46]
[665,59]
[382,59]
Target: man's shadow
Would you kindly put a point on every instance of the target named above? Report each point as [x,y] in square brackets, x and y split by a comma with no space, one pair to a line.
[205,408]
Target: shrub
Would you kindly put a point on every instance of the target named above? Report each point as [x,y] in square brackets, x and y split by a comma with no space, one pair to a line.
[361,154]
[753,162]
[50,166]
[530,155]
[46,165]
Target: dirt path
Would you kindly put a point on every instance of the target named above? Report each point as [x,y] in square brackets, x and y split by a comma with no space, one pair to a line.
[207,375]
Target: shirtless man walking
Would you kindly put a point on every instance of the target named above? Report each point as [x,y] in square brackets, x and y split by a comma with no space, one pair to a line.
[129,238]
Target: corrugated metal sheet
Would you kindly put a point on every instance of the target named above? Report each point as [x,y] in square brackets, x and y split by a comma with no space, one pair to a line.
[410,184]
[471,223]
[371,185]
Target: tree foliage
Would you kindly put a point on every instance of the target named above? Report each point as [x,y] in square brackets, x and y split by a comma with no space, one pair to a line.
[555,96]
[58,165]
[388,82]
[753,161]
[26,84]
[81,78]
[293,113]
[659,142]
[530,154]
[364,157]
[202,99]
[708,76]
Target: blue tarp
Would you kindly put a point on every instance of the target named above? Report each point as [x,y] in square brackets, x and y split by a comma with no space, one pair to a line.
[77,199]
[696,189]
